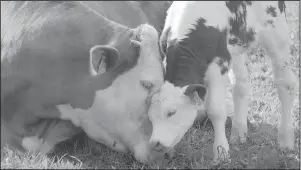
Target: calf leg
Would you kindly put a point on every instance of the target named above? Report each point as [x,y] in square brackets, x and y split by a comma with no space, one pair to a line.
[216,108]
[276,42]
[285,85]
[241,92]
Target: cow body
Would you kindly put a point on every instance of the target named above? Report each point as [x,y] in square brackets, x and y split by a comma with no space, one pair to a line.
[132,13]
[51,55]
[202,41]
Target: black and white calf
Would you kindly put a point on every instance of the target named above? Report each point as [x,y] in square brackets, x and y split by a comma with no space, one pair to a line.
[202,40]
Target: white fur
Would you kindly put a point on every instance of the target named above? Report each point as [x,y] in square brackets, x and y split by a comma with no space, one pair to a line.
[241,91]
[216,105]
[31,143]
[164,64]
[120,109]
[180,18]
[184,16]
[74,116]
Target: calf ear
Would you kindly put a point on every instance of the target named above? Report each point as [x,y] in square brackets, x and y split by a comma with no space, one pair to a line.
[102,58]
[190,89]
[163,40]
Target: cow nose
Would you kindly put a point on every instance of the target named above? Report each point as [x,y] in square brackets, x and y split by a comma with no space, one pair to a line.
[157,146]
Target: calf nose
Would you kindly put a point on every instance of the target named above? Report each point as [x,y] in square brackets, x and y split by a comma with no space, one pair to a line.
[157,146]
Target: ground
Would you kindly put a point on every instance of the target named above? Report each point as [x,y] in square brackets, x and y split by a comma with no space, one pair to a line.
[195,149]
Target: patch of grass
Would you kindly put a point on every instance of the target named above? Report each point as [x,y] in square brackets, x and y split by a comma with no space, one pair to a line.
[34,160]
[195,149]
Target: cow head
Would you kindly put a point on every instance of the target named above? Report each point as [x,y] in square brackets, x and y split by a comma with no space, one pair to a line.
[172,112]
[134,87]
[107,62]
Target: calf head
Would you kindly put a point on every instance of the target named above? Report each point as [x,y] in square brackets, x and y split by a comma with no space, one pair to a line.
[172,112]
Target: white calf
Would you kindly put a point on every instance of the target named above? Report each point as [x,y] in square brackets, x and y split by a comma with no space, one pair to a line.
[197,53]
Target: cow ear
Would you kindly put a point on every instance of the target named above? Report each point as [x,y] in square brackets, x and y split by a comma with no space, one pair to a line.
[102,58]
[199,88]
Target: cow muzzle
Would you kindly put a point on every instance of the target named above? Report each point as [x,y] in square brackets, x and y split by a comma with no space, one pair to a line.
[158,147]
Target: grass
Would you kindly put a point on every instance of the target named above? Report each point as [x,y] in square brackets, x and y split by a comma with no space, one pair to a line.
[195,149]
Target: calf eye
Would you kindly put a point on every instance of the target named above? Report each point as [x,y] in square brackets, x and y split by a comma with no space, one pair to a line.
[170,113]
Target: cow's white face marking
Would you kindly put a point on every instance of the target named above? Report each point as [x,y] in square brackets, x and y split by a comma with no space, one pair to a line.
[172,113]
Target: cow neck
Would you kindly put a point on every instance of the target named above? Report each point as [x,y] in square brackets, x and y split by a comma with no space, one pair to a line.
[106,33]
[84,97]
[106,24]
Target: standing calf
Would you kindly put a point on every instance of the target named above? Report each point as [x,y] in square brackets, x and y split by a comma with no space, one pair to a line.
[201,41]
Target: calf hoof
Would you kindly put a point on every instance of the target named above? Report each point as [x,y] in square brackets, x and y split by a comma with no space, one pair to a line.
[221,157]
[170,155]
[286,139]
[238,133]
[221,153]
[218,161]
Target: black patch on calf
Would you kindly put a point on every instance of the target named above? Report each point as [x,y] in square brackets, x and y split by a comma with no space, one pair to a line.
[269,22]
[238,29]
[188,59]
[233,41]
[223,66]
[270,10]
[281,6]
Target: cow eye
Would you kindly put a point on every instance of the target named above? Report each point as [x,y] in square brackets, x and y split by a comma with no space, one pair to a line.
[171,113]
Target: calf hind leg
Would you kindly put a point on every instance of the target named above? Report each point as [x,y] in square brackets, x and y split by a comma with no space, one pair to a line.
[286,86]
[275,41]
[241,92]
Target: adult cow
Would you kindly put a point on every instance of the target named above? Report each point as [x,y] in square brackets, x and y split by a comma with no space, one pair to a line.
[196,39]
[133,13]
[51,59]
